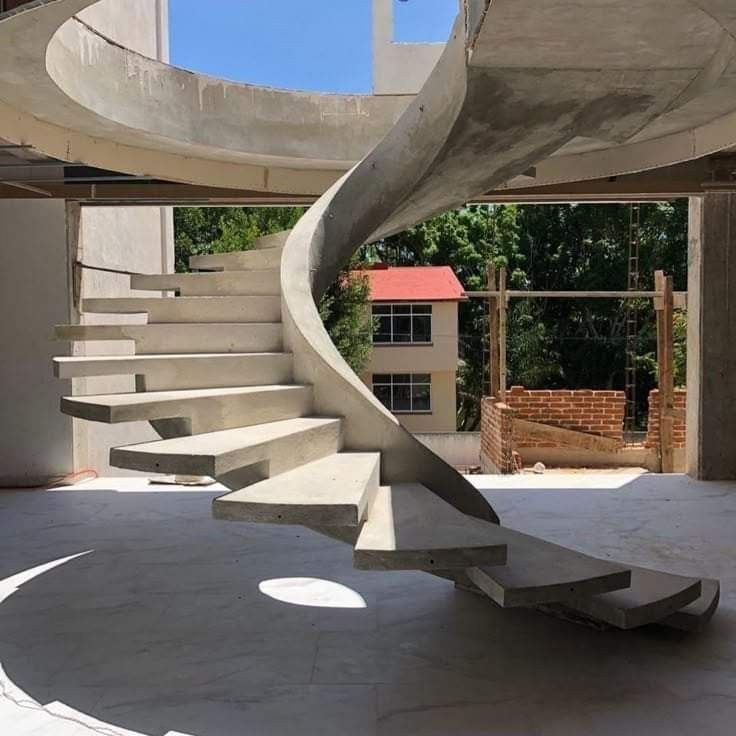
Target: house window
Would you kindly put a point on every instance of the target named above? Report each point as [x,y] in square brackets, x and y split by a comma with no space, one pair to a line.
[404,393]
[403,324]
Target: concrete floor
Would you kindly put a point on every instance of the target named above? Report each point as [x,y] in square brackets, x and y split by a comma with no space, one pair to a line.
[162,628]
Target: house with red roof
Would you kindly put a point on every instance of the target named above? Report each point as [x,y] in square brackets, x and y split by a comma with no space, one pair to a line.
[413,367]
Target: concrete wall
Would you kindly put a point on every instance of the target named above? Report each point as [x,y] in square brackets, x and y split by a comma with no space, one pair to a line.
[35,438]
[711,358]
[60,255]
[398,68]
[110,243]
[140,25]
[459,449]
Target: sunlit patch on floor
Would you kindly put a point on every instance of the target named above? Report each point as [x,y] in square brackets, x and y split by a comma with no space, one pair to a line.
[312,592]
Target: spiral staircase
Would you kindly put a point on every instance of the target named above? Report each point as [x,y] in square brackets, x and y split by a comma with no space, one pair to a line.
[237,374]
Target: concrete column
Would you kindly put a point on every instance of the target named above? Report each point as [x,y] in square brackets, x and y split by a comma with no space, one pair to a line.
[35,295]
[711,379]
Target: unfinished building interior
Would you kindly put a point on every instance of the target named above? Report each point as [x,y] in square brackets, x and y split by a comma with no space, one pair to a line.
[465,607]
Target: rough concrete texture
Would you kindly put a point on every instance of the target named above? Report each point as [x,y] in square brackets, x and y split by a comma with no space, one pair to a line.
[207,410]
[281,446]
[410,528]
[195,370]
[711,338]
[334,491]
[165,589]
[39,445]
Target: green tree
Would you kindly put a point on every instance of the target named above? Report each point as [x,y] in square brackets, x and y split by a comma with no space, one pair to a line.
[203,230]
[346,314]
[344,308]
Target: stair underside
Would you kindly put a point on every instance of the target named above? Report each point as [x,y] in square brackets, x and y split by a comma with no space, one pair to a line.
[333,491]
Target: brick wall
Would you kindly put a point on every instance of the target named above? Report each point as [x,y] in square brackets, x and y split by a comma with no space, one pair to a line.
[594,412]
[678,430]
[496,449]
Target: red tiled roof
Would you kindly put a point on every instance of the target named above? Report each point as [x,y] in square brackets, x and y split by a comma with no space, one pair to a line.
[414,283]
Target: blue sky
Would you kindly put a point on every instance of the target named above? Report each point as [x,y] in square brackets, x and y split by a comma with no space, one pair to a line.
[321,45]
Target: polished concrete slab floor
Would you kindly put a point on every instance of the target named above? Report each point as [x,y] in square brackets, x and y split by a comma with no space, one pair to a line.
[125,609]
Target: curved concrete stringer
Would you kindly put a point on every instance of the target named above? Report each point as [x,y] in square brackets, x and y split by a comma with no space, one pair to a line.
[486,115]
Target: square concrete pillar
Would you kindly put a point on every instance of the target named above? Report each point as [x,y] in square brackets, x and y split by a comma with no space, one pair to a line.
[711,375]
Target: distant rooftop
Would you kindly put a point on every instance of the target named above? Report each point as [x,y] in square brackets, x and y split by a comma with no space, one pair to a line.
[414,283]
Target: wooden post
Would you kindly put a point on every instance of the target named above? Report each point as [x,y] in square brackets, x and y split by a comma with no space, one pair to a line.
[502,310]
[665,359]
[494,372]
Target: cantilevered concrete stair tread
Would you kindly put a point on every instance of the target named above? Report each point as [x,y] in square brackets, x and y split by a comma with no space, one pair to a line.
[277,446]
[230,407]
[163,339]
[652,596]
[410,528]
[333,491]
[265,282]
[274,240]
[539,572]
[249,260]
[184,371]
[223,309]
[696,615]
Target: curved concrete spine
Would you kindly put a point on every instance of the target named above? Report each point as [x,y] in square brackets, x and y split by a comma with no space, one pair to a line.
[325,239]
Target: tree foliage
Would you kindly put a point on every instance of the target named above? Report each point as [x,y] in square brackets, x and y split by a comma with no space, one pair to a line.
[344,308]
[552,343]
[347,318]
[203,230]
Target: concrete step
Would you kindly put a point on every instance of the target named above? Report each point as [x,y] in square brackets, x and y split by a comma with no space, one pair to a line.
[209,410]
[334,491]
[195,309]
[653,596]
[225,283]
[696,615]
[275,240]
[237,457]
[247,260]
[165,372]
[410,528]
[164,339]
[539,572]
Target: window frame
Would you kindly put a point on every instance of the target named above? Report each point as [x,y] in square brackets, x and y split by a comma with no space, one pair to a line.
[393,315]
[412,383]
